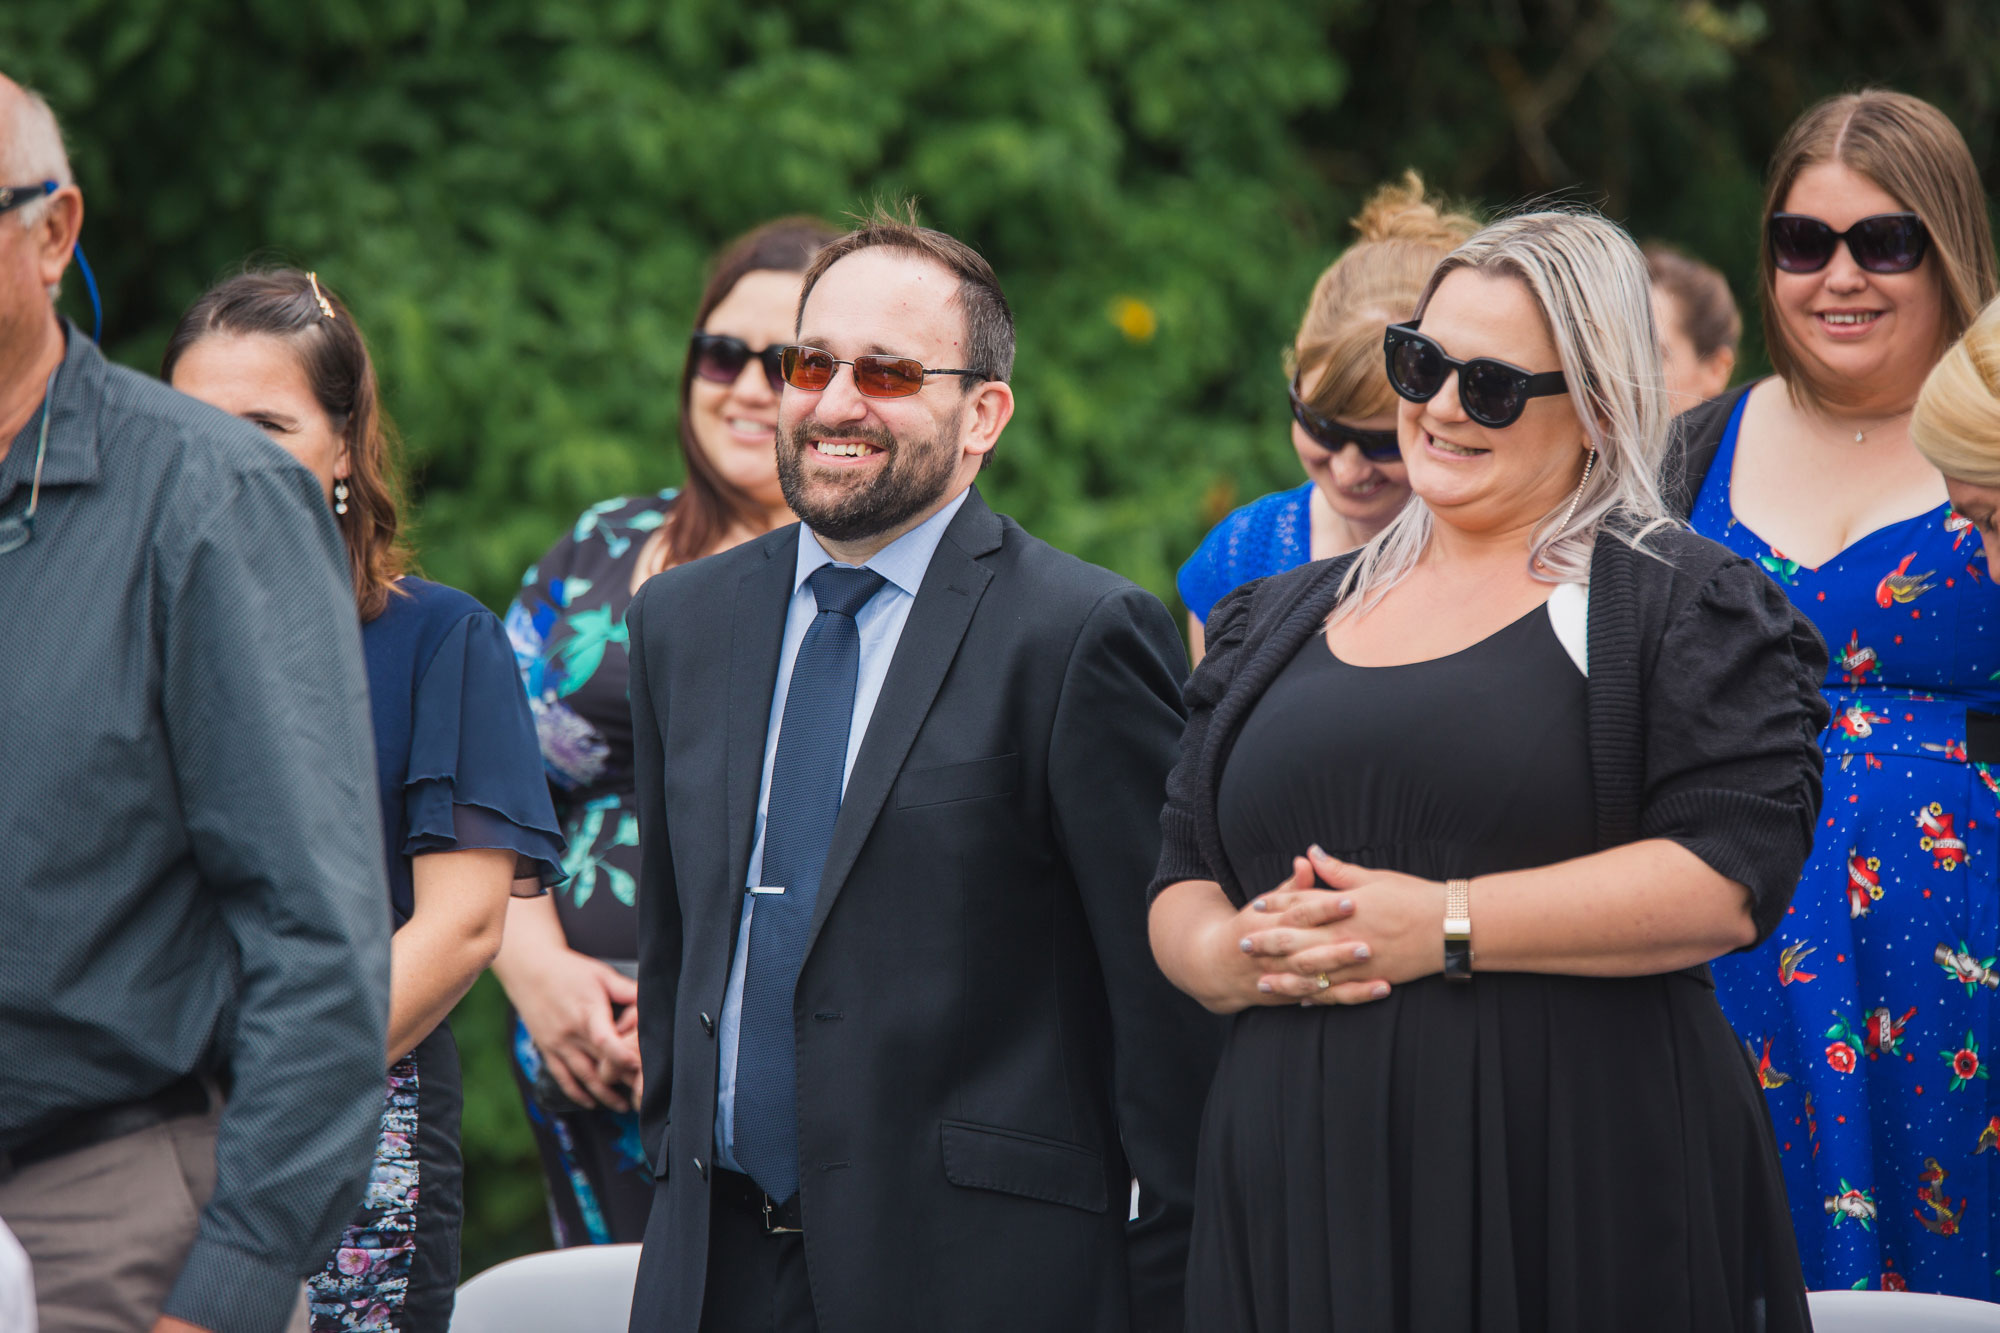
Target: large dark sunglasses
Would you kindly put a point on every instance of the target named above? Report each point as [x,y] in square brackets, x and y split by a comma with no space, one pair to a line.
[719,359]
[15,196]
[1493,393]
[813,368]
[1377,446]
[1884,243]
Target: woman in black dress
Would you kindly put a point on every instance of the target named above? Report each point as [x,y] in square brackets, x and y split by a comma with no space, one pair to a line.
[567,963]
[1560,753]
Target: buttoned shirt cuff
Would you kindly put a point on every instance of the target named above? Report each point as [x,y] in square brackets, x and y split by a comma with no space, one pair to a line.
[230,1291]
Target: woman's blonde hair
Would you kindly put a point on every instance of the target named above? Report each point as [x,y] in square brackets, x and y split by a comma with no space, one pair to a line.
[1913,152]
[1589,280]
[1957,421]
[1404,232]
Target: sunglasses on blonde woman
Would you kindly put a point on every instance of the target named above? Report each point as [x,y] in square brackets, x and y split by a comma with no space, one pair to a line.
[1492,392]
[813,368]
[1377,446]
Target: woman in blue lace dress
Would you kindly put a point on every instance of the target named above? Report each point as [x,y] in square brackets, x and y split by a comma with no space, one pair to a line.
[568,960]
[465,816]
[1343,413]
[1870,1013]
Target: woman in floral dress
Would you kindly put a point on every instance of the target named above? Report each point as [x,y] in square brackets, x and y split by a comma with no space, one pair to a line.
[568,961]
[1870,1013]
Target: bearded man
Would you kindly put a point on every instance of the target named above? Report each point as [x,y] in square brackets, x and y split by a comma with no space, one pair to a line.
[900,771]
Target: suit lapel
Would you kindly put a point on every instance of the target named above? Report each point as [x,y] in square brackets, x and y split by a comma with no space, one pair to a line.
[938,620]
[756,638]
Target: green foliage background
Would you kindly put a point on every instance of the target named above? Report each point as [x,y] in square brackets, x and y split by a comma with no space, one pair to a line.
[517,198]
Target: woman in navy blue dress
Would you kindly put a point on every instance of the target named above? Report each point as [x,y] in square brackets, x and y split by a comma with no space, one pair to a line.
[1343,414]
[466,819]
[1870,1014]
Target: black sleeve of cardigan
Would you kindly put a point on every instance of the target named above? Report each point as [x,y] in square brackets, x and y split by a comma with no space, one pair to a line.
[1733,717]
[1180,850]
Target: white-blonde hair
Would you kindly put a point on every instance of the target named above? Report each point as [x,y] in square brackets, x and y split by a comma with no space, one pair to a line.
[1589,280]
[1956,424]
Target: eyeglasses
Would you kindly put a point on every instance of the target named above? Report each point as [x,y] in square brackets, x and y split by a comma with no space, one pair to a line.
[1884,243]
[1377,446]
[1493,393]
[17,532]
[720,359]
[15,196]
[813,368]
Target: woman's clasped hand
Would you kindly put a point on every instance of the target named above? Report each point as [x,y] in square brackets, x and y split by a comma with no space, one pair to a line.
[1337,933]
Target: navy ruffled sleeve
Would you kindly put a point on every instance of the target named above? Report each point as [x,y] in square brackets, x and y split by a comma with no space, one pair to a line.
[475,778]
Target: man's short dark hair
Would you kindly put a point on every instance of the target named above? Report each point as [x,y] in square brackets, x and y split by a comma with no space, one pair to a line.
[989,324]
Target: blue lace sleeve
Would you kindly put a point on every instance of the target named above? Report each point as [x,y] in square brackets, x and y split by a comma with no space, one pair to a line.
[1267,536]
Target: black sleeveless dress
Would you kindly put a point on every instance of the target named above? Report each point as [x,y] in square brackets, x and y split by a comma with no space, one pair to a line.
[1523,1153]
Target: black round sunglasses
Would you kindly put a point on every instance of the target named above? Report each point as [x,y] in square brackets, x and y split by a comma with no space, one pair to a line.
[1377,446]
[1493,393]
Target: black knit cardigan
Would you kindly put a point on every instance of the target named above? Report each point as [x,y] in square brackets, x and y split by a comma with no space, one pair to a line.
[1704,699]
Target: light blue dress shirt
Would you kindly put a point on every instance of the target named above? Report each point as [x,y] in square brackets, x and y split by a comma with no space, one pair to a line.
[880,624]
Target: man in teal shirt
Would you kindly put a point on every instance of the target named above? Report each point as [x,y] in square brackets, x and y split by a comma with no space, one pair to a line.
[194,961]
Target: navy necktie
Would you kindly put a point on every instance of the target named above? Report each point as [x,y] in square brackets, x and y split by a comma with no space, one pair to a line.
[807,777]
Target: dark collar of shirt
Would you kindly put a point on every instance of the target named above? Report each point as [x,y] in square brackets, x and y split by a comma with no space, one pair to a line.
[72,458]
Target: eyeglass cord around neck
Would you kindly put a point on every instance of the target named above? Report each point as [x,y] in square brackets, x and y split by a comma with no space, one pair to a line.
[25,524]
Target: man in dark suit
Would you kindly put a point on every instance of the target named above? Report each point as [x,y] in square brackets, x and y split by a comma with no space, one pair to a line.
[900,770]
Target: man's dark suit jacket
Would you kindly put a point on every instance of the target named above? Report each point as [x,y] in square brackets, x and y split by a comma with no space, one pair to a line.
[986,1052]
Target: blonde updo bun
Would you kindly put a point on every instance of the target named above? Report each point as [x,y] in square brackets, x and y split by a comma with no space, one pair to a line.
[1404,232]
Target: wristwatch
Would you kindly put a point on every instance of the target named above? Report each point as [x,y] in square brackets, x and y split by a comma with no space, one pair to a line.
[1458,930]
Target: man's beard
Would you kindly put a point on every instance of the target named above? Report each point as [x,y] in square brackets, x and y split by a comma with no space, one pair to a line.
[913,477]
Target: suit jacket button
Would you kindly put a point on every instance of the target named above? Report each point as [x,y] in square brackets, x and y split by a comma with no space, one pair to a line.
[708,1025]
[701,1168]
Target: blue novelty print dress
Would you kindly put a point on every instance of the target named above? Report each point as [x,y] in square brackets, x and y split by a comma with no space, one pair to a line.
[1870,1013]
[1268,536]
[567,625]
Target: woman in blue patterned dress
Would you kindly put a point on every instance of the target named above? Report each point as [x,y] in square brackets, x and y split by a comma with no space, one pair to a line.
[1870,1013]
[465,817]
[1343,413]
[568,960]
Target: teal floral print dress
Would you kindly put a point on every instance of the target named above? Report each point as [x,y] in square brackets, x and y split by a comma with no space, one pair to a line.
[567,626]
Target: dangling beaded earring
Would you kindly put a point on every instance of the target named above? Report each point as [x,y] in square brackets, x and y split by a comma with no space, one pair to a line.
[340,497]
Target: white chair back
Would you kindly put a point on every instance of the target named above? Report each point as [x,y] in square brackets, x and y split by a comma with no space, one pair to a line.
[1900,1312]
[584,1289]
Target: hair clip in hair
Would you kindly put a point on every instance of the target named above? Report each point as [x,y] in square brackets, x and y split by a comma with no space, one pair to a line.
[325,306]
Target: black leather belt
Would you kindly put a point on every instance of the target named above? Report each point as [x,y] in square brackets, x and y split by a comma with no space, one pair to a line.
[739,1191]
[187,1096]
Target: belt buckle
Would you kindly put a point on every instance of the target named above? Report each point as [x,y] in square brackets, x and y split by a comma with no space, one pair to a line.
[771,1228]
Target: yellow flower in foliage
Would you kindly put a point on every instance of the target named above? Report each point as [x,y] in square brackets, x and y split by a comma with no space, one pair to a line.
[1135,319]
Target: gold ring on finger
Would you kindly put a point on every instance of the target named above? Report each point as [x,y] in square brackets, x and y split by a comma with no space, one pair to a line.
[1324,983]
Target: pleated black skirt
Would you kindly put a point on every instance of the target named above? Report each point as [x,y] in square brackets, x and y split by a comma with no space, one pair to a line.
[1522,1154]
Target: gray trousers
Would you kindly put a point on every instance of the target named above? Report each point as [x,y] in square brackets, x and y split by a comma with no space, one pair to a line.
[107,1227]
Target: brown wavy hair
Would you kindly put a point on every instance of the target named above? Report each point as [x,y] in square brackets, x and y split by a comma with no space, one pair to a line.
[707,503]
[283,303]
[1915,154]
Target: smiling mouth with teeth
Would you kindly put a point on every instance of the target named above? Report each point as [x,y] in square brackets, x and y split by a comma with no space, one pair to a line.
[1456,450]
[844,448]
[1850,319]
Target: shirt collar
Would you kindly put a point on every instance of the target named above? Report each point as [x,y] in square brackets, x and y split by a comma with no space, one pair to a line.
[72,456]
[902,562]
